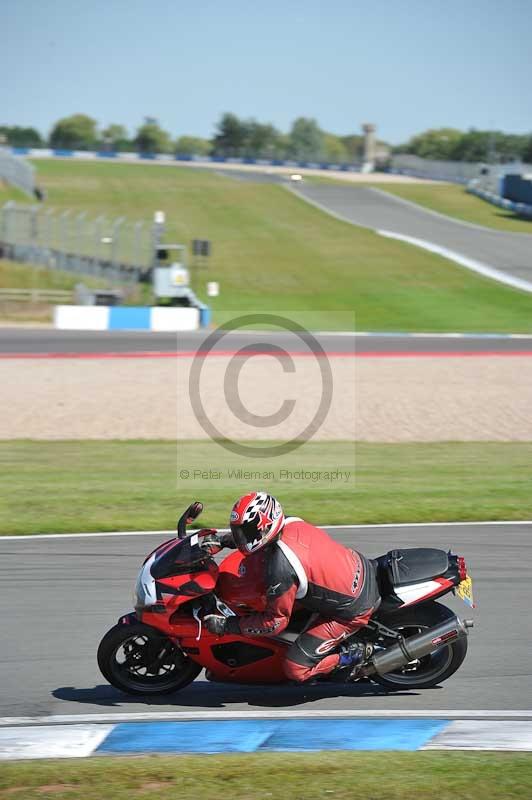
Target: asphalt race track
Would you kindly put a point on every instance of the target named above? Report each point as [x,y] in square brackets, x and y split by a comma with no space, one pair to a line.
[372,208]
[44,341]
[59,595]
[266,176]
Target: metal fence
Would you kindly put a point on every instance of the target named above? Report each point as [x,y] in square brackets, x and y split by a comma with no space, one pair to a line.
[36,295]
[17,172]
[115,249]
[488,175]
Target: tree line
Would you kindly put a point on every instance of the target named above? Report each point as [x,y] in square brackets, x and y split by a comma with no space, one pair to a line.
[248,138]
[233,137]
[450,144]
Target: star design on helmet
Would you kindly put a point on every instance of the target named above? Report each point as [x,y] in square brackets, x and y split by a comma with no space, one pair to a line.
[264,521]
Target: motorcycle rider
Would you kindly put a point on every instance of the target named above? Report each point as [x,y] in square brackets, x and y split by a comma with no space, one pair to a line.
[301,563]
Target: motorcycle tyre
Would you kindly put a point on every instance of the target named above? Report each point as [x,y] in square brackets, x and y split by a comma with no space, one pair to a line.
[108,648]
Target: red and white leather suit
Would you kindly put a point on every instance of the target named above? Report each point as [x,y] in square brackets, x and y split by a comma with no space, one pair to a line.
[306,567]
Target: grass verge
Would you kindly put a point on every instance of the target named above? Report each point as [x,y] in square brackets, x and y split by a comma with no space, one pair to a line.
[104,486]
[27,276]
[454,201]
[276,776]
[274,252]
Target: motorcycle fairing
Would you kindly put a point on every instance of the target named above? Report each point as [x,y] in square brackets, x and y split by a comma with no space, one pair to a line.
[237,658]
[188,585]
[240,654]
[413,593]
[174,573]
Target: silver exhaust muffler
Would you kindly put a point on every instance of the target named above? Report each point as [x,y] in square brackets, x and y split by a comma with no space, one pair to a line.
[415,647]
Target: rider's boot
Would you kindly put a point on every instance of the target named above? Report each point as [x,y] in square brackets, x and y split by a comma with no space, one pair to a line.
[351,656]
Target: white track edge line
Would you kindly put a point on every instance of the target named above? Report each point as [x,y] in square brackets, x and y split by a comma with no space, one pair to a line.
[357,526]
[376,334]
[446,217]
[152,716]
[469,263]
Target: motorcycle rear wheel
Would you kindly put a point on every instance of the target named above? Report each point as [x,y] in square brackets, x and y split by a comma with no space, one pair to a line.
[138,659]
[430,670]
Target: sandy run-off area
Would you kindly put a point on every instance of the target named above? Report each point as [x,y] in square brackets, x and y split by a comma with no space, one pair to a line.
[377,399]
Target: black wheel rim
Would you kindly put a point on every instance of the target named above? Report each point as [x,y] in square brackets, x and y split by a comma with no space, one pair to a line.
[145,663]
[428,668]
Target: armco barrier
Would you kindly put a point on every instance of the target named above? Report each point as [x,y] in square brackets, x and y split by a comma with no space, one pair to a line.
[521,209]
[487,176]
[517,188]
[260,162]
[137,318]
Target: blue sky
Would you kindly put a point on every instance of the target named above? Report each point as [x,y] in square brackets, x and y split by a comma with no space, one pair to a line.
[407,66]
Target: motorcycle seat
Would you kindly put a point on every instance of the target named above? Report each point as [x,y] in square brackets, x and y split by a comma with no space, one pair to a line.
[412,565]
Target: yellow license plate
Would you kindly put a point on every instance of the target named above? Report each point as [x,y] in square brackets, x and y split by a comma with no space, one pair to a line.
[465,591]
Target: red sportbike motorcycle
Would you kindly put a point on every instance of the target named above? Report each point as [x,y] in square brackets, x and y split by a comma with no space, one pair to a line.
[163,645]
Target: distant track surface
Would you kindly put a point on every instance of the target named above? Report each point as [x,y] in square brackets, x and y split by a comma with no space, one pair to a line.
[42,341]
[372,208]
[59,596]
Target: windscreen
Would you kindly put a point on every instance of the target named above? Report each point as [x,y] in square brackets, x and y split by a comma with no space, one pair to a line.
[179,556]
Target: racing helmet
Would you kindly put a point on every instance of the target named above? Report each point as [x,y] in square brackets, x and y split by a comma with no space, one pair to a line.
[256,520]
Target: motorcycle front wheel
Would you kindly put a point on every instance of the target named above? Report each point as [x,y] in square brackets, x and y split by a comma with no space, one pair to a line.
[430,670]
[138,659]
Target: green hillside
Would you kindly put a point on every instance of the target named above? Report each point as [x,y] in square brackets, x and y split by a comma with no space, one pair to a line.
[272,251]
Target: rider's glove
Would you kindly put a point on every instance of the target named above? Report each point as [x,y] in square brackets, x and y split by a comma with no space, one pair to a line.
[213,542]
[215,623]
[226,540]
[210,541]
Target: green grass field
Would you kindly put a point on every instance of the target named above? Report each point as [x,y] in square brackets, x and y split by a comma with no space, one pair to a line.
[276,776]
[104,486]
[272,251]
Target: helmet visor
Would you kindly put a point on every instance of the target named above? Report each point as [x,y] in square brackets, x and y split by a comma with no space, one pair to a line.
[246,537]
